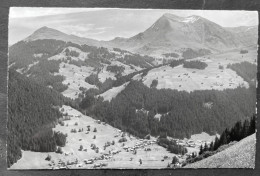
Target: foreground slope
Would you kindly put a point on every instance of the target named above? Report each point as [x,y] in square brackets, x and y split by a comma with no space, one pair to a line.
[240,155]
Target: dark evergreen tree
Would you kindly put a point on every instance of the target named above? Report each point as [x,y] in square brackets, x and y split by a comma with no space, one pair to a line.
[175,160]
[206,148]
[201,149]
[211,147]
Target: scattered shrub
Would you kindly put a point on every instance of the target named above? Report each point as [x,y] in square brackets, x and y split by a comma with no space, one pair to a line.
[123,139]
[154,83]
[221,67]
[175,160]
[80,148]
[48,158]
[243,51]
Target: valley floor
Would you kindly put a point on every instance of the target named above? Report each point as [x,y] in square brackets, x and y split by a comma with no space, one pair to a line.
[119,157]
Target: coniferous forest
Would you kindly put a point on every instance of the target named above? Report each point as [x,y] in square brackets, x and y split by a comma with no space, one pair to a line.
[183,113]
[32,113]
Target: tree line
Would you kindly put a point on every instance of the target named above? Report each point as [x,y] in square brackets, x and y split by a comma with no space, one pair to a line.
[190,53]
[31,117]
[189,64]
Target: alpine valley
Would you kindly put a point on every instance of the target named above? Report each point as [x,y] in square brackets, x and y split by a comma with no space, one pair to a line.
[184,87]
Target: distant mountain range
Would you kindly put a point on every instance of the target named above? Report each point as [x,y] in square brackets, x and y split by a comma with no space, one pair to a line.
[170,33]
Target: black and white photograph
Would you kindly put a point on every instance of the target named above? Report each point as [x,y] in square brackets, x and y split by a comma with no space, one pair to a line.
[118,88]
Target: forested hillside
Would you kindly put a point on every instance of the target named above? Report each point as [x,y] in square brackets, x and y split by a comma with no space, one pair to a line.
[32,113]
[42,61]
[182,113]
[246,70]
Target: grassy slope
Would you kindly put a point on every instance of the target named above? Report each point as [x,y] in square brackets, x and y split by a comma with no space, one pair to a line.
[210,78]
[36,160]
[239,155]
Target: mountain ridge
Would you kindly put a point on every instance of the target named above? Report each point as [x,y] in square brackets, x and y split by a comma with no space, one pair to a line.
[170,32]
[50,33]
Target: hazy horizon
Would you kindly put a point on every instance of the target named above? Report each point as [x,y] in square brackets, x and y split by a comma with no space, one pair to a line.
[106,24]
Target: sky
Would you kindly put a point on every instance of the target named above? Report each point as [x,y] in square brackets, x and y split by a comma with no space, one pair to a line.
[108,23]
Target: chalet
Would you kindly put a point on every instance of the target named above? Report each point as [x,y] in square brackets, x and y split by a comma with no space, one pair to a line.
[192,145]
[97,165]
[89,162]
[181,143]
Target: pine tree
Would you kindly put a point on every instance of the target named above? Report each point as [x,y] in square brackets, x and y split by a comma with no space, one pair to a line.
[211,147]
[245,129]
[201,149]
[216,143]
[237,131]
[206,148]
[224,139]
[175,160]
[252,125]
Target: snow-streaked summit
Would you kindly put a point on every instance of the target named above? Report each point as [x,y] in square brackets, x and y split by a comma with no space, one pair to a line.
[191,19]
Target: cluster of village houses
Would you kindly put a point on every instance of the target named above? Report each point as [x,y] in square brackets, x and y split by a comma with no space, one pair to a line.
[140,144]
[192,143]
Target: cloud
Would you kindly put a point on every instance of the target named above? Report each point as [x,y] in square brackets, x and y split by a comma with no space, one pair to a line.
[22,12]
[76,27]
[83,30]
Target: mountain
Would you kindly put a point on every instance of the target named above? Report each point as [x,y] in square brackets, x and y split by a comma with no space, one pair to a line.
[170,33]
[49,33]
[239,155]
[247,35]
